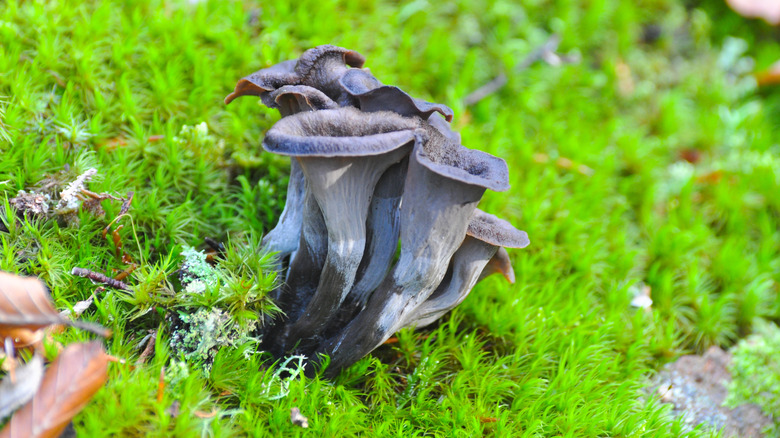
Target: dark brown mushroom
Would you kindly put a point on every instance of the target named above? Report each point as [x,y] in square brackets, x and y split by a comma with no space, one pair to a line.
[486,234]
[343,154]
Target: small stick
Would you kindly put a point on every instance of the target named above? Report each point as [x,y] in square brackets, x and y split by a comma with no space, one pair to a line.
[499,81]
[122,275]
[126,203]
[99,278]
[149,349]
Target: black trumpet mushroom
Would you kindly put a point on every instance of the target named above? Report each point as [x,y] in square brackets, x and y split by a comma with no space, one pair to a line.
[381,224]
[485,236]
[343,154]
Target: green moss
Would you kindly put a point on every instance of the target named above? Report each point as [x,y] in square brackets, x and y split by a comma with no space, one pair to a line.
[755,372]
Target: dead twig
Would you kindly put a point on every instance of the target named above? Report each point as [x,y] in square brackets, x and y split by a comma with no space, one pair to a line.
[126,203]
[99,278]
[542,52]
[150,340]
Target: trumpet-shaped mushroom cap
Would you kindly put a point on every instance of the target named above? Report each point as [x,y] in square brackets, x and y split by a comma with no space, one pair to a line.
[359,81]
[265,80]
[293,99]
[499,263]
[319,67]
[481,254]
[498,232]
[343,132]
[314,58]
[374,96]
[323,66]
[449,159]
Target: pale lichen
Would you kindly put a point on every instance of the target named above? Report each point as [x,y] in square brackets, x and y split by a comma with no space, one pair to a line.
[199,336]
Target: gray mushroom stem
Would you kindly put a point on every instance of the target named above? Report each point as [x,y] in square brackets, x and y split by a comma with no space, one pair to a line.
[384,226]
[342,187]
[465,268]
[444,183]
[292,99]
[283,238]
[303,275]
[485,237]
[343,154]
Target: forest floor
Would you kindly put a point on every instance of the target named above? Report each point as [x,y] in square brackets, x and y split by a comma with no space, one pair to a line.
[643,158]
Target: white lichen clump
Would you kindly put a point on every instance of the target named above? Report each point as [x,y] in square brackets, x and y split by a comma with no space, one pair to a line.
[70,201]
[203,333]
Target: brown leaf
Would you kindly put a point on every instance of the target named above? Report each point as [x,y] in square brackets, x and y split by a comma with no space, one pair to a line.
[69,383]
[769,10]
[24,303]
[770,76]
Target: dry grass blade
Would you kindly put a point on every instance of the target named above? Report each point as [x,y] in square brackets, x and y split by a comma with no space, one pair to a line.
[69,383]
[15,392]
[24,303]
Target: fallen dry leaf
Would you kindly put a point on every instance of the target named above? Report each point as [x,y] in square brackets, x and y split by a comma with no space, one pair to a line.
[69,383]
[25,304]
[19,389]
[770,76]
[769,10]
[25,307]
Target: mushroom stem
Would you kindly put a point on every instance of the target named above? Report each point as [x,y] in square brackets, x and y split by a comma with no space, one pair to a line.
[305,267]
[383,225]
[343,187]
[283,238]
[343,154]
[436,210]
[463,274]
[481,254]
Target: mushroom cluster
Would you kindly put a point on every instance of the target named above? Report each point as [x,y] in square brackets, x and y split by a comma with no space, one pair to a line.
[380,229]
